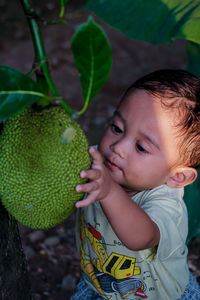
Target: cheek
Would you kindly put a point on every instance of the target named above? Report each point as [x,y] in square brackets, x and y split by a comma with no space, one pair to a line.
[155,174]
[103,145]
[145,169]
[105,142]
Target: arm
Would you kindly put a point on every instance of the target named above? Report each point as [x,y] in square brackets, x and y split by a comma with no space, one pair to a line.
[131,224]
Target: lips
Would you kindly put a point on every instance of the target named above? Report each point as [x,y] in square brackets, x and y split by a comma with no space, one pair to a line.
[111,165]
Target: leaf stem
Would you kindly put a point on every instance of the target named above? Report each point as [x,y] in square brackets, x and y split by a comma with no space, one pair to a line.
[62,8]
[40,55]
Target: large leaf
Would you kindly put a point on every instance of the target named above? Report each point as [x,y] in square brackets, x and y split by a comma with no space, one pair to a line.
[192,200]
[154,21]
[93,58]
[17,91]
[193,52]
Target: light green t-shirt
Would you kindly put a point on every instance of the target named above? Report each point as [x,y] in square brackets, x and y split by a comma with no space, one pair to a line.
[116,272]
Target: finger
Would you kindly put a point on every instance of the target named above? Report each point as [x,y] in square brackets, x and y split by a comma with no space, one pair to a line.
[87,201]
[96,156]
[88,187]
[92,174]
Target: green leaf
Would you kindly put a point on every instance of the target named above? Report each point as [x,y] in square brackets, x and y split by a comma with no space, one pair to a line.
[93,58]
[193,51]
[154,21]
[17,91]
[192,200]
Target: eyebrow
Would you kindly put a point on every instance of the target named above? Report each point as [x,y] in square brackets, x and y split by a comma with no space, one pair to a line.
[118,114]
[144,135]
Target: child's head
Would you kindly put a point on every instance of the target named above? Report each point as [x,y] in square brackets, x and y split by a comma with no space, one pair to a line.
[154,136]
[178,91]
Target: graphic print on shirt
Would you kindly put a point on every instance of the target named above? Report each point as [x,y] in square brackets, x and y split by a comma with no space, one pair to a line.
[113,273]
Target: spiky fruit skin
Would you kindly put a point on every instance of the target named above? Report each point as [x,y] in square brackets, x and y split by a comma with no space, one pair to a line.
[38,172]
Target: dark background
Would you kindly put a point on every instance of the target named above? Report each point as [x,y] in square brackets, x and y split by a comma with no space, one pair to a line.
[52,259]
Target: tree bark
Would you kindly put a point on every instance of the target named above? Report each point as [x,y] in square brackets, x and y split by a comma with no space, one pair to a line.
[14,279]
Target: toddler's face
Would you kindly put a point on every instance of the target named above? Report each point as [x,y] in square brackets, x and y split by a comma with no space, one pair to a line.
[140,145]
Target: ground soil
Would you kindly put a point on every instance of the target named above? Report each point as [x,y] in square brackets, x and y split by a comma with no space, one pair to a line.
[52,258]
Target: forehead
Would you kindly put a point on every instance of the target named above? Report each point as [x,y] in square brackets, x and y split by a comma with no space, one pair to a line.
[144,111]
[141,101]
[138,102]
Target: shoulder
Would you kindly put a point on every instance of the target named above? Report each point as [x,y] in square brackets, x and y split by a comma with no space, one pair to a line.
[160,192]
[164,198]
[165,206]
[163,201]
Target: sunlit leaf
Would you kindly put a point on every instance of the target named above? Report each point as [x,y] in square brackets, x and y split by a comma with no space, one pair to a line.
[154,21]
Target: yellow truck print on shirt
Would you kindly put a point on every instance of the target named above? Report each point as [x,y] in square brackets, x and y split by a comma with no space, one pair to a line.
[113,273]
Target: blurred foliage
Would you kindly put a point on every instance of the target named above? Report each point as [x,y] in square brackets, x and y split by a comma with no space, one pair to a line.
[192,199]
[153,21]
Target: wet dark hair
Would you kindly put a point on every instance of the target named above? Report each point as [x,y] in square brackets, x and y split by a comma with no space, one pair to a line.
[177,89]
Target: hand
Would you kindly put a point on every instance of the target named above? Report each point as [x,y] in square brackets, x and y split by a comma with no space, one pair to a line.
[100,184]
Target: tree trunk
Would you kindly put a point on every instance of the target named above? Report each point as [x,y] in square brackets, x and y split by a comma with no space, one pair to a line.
[14,280]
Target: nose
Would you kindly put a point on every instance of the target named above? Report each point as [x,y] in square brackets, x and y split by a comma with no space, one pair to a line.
[120,148]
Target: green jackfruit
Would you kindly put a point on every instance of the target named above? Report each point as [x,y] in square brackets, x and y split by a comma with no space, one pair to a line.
[41,156]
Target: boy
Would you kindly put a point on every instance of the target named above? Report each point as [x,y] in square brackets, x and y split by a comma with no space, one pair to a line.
[133,221]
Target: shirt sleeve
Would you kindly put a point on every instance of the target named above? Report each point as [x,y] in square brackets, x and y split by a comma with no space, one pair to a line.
[166,208]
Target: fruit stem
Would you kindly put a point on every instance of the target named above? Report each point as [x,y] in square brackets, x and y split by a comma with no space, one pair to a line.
[40,55]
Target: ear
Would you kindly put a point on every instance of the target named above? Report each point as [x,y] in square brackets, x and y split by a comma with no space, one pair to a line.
[181,177]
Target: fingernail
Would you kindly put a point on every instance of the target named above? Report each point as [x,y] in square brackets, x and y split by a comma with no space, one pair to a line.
[78,188]
[82,174]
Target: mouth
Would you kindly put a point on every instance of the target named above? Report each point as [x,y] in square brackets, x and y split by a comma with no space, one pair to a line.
[111,165]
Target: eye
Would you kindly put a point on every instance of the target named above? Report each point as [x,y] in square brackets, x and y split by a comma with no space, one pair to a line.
[141,149]
[115,128]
